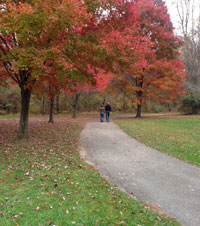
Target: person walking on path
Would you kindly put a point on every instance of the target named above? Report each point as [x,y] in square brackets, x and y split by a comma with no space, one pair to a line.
[102,110]
[108,110]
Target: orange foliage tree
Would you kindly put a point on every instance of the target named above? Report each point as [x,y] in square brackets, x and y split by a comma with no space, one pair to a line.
[31,33]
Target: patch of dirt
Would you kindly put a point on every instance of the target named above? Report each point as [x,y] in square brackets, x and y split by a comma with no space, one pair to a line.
[156,209]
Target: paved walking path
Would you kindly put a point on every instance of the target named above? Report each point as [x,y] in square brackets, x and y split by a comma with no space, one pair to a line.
[149,174]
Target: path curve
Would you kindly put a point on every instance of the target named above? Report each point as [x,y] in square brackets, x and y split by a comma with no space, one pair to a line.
[149,174]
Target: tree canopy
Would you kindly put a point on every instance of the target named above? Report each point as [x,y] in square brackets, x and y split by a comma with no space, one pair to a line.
[65,42]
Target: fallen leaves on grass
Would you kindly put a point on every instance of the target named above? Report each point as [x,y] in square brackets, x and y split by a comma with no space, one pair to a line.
[45,182]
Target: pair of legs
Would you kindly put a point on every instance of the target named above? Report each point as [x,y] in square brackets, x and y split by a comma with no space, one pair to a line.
[107,116]
[101,116]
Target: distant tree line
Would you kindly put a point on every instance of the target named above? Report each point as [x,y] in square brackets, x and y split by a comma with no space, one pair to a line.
[189,21]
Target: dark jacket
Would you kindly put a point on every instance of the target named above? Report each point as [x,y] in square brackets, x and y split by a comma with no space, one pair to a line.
[108,108]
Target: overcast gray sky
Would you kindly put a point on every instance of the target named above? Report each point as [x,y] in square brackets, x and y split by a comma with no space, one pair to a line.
[171,4]
[172,11]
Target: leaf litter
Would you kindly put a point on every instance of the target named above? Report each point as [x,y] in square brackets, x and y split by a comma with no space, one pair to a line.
[43,181]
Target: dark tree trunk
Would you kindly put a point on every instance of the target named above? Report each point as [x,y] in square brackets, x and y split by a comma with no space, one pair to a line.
[74,111]
[75,105]
[169,107]
[23,123]
[15,110]
[104,100]
[139,97]
[139,110]
[57,104]
[51,113]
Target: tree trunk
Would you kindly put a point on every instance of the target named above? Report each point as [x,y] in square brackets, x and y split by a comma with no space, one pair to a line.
[57,104]
[139,110]
[51,113]
[75,111]
[75,105]
[23,123]
[104,100]
[139,97]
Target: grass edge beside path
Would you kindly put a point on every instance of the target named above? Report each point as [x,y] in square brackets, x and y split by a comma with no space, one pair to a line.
[178,136]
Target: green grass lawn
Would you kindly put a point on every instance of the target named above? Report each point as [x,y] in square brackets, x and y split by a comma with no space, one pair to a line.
[178,136]
[43,181]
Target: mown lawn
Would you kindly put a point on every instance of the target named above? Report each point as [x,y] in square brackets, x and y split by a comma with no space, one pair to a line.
[43,181]
[178,136]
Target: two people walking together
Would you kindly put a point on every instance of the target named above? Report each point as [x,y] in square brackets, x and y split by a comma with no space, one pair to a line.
[106,110]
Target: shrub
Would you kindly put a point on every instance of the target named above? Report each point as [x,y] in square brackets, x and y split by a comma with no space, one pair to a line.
[3,112]
[190,104]
[156,108]
[34,107]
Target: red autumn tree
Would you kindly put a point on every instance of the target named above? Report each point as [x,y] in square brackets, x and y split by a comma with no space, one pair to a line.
[33,33]
[29,35]
[74,89]
[147,54]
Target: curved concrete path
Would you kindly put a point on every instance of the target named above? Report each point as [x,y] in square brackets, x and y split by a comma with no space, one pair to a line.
[149,174]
